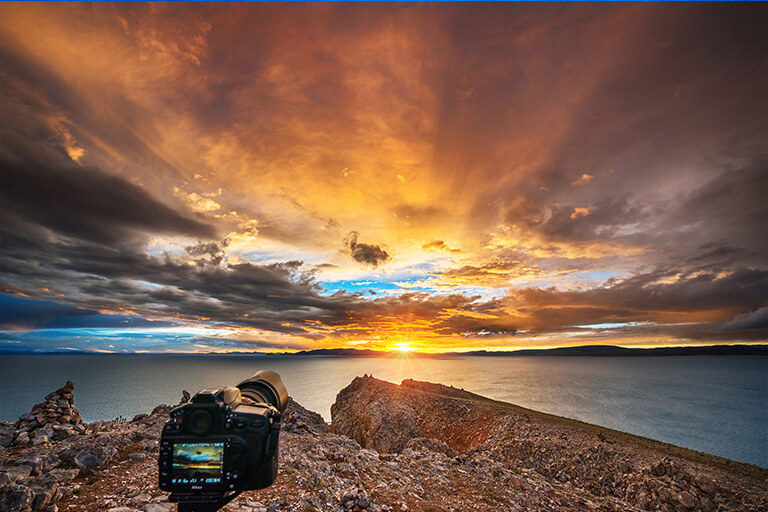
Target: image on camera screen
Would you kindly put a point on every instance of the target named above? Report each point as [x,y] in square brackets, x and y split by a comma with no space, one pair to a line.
[197,463]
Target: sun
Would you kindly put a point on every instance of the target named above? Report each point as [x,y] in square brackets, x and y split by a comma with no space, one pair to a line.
[402,347]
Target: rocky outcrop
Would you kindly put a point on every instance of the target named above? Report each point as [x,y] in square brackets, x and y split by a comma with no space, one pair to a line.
[436,449]
[378,421]
[609,464]
[296,418]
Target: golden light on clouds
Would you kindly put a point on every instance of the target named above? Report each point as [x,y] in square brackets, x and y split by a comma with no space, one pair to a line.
[582,180]
[386,176]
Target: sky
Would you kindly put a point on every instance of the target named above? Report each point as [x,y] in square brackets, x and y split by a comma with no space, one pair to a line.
[207,177]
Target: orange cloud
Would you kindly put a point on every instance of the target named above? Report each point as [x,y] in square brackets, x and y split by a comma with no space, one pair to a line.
[197,202]
[580,212]
[439,245]
[582,180]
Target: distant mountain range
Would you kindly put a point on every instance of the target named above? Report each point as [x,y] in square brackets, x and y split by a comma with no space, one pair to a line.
[609,350]
[587,350]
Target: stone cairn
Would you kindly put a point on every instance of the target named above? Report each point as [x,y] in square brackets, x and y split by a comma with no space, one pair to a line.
[54,419]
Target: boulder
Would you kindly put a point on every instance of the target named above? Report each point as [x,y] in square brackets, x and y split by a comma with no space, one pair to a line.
[16,497]
[686,499]
[158,507]
[86,459]
[15,472]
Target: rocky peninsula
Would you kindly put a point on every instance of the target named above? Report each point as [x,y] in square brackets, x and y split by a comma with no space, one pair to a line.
[410,447]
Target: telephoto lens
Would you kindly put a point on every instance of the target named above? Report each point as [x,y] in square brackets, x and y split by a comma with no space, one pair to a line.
[265,386]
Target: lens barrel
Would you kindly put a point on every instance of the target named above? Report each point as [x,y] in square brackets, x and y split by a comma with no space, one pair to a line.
[265,386]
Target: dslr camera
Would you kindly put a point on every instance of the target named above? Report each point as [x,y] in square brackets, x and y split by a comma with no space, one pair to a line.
[224,441]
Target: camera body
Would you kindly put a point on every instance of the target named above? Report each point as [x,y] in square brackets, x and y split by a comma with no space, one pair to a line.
[225,439]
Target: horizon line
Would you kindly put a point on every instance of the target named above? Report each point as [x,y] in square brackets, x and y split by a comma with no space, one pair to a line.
[349,351]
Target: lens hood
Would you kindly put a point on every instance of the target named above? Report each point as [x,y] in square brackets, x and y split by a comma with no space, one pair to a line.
[265,386]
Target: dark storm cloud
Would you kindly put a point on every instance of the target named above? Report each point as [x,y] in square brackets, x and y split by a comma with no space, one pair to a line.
[208,253]
[25,313]
[278,297]
[690,304]
[757,319]
[602,220]
[744,289]
[726,215]
[87,204]
[73,230]
[18,311]
[367,254]
[281,298]
[716,225]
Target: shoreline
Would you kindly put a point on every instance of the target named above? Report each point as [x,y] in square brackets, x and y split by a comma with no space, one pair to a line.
[626,399]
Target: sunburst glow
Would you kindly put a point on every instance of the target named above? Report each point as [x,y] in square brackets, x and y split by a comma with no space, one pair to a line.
[297,176]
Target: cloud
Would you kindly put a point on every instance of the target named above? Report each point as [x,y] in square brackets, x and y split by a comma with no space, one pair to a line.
[497,273]
[197,202]
[311,135]
[418,213]
[367,254]
[582,180]
[667,297]
[85,203]
[438,245]
[757,319]
[18,311]
[580,212]
[209,253]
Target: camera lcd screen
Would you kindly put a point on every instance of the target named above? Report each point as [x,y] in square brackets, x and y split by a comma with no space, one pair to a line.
[197,463]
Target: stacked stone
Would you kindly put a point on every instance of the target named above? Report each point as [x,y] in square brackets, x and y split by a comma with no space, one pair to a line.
[54,419]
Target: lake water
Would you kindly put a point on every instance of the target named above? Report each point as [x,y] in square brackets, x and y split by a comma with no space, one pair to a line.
[717,405]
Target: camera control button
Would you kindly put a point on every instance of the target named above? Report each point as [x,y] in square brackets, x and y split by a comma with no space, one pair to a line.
[236,451]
